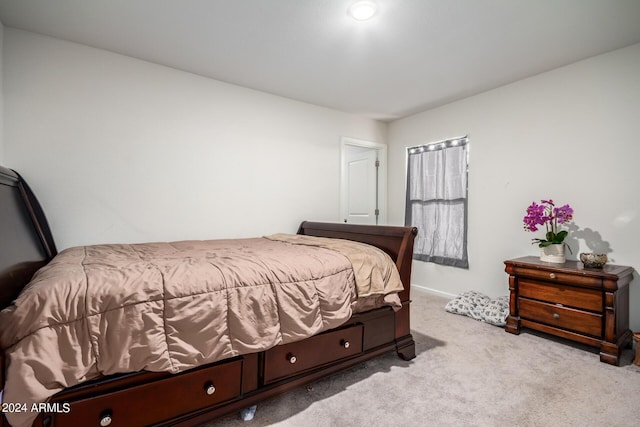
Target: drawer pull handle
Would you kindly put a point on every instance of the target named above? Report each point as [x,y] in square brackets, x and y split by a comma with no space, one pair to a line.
[209,388]
[556,316]
[292,359]
[346,344]
[552,276]
[105,419]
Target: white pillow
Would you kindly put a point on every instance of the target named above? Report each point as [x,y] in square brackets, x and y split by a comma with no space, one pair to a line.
[480,307]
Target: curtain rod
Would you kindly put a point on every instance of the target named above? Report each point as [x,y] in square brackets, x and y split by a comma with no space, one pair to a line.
[444,142]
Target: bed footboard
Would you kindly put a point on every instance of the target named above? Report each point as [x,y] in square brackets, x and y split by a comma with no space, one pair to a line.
[395,241]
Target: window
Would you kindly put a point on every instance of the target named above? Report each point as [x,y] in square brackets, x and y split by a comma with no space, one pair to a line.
[437,201]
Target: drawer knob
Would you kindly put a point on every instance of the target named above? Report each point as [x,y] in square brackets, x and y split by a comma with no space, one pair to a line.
[552,276]
[292,359]
[209,388]
[556,316]
[346,344]
[105,419]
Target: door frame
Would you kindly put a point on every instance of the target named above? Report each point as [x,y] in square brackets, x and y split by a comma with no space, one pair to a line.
[382,175]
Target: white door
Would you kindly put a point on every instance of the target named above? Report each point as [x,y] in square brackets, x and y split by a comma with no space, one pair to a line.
[362,186]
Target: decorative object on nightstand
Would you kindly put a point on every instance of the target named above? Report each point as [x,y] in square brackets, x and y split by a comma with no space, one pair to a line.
[546,213]
[553,253]
[591,260]
[589,306]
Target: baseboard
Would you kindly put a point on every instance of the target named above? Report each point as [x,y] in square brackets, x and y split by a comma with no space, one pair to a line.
[434,291]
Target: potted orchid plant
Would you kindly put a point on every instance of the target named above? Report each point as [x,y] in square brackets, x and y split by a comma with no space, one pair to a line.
[548,215]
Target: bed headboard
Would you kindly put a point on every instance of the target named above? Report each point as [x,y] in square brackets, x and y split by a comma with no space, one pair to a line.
[26,243]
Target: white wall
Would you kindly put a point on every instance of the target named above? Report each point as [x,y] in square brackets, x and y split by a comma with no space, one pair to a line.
[121,150]
[571,134]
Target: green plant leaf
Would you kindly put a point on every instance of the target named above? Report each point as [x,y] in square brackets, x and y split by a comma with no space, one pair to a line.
[559,238]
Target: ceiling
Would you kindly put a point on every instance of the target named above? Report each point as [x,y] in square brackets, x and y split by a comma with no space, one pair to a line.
[412,56]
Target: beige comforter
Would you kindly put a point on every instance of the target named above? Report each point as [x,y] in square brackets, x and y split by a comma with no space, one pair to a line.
[101,310]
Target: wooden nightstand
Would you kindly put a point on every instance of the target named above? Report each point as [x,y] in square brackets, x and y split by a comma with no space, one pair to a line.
[586,305]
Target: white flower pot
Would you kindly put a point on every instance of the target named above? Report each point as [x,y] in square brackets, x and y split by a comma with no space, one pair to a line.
[553,253]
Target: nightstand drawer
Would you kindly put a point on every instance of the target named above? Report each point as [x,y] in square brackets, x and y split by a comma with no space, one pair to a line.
[559,277]
[587,299]
[561,317]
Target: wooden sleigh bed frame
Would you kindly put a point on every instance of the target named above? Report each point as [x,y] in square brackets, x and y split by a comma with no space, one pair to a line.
[199,395]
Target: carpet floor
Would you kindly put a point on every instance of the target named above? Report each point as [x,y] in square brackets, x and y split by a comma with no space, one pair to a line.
[466,373]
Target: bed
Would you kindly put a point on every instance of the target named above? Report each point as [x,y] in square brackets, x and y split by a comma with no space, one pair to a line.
[204,350]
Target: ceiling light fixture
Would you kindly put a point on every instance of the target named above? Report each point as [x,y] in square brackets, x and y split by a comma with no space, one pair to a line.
[363,10]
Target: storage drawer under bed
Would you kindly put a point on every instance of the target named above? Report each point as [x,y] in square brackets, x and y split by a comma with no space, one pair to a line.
[289,359]
[156,401]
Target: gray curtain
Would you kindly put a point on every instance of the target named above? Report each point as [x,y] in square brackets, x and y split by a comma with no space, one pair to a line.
[436,201]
